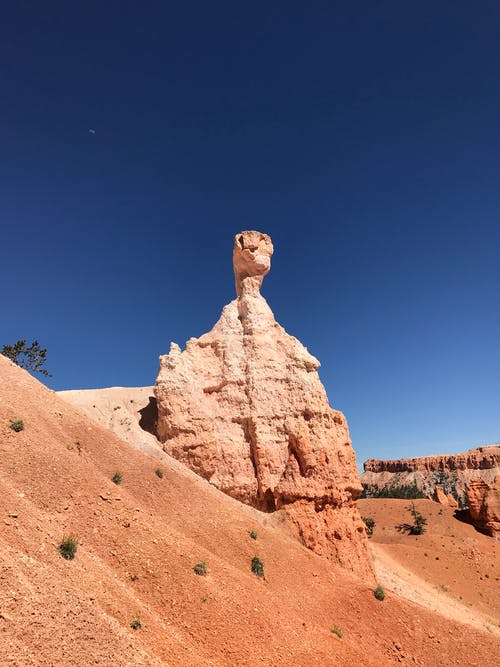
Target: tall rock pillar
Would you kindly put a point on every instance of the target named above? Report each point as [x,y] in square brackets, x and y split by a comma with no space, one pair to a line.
[243,406]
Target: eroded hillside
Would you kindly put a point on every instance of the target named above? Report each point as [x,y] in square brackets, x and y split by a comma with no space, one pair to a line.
[138,544]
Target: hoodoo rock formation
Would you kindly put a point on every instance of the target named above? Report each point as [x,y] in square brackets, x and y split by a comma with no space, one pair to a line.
[484,506]
[446,499]
[243,406]
[452,472]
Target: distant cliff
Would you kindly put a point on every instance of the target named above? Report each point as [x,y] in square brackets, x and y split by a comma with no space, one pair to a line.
[419,476]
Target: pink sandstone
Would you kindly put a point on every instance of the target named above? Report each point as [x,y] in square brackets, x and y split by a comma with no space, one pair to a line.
[481,458]
[443,498]
[243,406]
[484,505]
[452,471]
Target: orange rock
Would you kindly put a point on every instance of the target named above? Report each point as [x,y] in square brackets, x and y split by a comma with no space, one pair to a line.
[440,496]
[484,506]
[446,499]
[427,472]
[481,458]
[243,406]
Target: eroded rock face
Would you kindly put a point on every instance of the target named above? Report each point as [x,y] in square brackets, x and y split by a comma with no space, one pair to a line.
[451,472]
[440,496]
[252,254]
[484,506]
[443,498]
[481,458]
[243,406]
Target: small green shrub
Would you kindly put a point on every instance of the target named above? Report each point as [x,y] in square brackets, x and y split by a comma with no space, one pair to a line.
[370,525]
[68,546]
[419,521]
[136,624]
[257,566]
[159,473]
[336,631]
[117,478]
[253,534]
[379,593]
[17,425]
[200,569]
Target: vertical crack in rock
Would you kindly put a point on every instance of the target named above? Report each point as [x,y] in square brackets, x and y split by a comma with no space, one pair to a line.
[244,407]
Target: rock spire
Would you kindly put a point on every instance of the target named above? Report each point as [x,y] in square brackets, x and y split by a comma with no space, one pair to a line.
[243,406]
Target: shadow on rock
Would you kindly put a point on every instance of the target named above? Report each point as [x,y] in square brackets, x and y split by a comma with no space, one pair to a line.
[149,416]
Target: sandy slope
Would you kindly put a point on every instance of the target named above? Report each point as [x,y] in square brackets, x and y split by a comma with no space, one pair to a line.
[138,544]
[394,576]
[451,568]
[130,412]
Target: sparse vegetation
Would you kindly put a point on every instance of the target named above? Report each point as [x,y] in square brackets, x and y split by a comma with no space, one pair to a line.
[336,631]
[419,521]
[200,569]
[17,425]
[159,473]
[370,525]
[408,491]
[253,534]
[30,357]
[379,593]
[257,566]
[68,546]
[117,478]
[136,624]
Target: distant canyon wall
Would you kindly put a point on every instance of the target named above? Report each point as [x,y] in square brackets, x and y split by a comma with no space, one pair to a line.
[421,475]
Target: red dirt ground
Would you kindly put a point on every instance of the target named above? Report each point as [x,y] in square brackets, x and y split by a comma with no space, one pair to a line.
[460,564]
[138,543]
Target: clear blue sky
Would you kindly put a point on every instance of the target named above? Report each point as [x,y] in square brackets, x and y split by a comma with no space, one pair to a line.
[364,137]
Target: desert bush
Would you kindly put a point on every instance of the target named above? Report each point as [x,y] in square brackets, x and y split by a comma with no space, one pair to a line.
[200,569]
[117,478]
[159,473]
[370,525]
[136,624]
[17,425]
[336,631]
[379,593]
[257,566]
[419,521]
[30,357]
[68,546]
[253,534]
